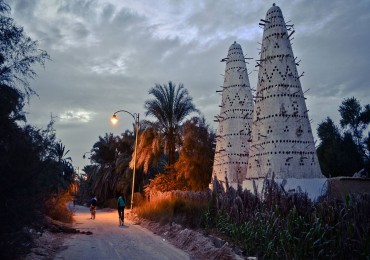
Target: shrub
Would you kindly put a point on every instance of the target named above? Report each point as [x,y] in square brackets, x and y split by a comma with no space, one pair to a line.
[56,207]
[179,210]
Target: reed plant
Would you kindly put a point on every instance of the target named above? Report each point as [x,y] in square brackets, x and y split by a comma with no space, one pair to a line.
[173,209]
[277,224]
[272,224]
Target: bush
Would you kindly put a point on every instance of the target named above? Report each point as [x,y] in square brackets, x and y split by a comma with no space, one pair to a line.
[181,211]
[56,207]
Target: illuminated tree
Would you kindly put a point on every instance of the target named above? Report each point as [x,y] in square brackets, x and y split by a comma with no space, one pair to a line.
[170,106]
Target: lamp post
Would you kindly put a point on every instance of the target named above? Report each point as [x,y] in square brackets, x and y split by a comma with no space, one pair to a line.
[135,116]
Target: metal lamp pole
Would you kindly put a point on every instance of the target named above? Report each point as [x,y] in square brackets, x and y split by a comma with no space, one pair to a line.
[135,116]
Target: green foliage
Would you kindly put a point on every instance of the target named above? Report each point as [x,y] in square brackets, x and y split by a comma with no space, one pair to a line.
[170,106]
[338,155]
[18,55]
[290,226]
[29,175]
[56,207]
[11,104]
[150,146]
[110,175]
[182,211]
[344,152]
[166,182]
[196,154]
[354,117]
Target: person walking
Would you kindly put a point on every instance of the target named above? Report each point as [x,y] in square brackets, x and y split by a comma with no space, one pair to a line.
[121,208]
[93,203]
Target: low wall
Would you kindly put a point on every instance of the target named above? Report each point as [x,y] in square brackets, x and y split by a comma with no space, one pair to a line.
[340,187]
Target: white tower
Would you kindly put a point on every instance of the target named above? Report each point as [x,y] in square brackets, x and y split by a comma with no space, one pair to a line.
[235,120]
[282,140]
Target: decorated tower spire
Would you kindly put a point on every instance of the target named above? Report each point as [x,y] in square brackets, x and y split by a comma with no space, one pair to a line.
[235,120]
[282,140]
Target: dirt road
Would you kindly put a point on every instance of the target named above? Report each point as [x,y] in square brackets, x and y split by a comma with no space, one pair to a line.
[109,241]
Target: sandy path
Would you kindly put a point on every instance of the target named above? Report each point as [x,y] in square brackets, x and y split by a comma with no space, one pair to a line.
[109,241]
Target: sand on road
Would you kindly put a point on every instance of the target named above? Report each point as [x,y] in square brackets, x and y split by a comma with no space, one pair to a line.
[109,241]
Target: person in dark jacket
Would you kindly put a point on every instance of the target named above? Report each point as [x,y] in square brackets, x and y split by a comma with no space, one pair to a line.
[121,208]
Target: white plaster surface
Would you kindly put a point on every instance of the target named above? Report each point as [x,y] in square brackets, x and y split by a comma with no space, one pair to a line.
[282,140]
[235,119]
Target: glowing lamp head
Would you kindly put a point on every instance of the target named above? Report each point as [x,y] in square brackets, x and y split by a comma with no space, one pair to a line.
[114,119]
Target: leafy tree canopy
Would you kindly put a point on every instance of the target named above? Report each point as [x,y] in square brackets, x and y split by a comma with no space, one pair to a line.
[344,151]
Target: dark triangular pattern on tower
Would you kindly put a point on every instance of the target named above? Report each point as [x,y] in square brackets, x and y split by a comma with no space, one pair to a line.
[235,120]
[282,140]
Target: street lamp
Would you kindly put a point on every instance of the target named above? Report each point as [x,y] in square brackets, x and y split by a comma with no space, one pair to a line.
[114,121]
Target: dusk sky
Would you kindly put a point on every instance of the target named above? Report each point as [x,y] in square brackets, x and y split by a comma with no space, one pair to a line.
[107,54]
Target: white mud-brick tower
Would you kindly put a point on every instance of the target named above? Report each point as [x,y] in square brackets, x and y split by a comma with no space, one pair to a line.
[282,140]
[235,120]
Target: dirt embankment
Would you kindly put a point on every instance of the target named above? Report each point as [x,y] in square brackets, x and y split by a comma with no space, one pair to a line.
[196,244]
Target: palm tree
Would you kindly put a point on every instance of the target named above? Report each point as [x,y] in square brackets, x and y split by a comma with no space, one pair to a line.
[59,153]
[104,150]
[170,106]
[150,146]
[103,177]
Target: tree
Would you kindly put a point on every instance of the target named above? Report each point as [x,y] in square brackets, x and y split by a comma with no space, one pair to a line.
[18,54]
[29,175]
[354,117]
[170,106]
[150,146]
[11,104]
[342,152]
[59,153]
[104,154]
[111,174]
[104,150]
[196,154]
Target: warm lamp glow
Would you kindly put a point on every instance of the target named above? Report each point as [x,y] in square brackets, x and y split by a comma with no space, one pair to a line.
[114,119]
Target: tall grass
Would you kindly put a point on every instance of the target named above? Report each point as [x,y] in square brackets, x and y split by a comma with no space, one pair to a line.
[179,210]
[273,224]
[276,224]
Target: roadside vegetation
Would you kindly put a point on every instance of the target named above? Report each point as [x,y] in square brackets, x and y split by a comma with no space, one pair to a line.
[274,224]
[175,156]
[271,225]
[35,171]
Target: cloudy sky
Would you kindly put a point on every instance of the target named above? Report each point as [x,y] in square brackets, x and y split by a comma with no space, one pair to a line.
[107,54]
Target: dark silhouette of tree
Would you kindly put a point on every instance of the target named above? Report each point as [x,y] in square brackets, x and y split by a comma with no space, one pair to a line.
[342,152]
[59,153]
[354,118]
[29,175]
[170,106]
[110,175]
[18,54]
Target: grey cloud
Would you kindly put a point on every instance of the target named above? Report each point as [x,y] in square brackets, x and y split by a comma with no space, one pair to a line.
[135,47]
[82,8]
